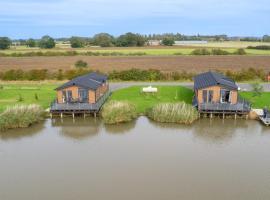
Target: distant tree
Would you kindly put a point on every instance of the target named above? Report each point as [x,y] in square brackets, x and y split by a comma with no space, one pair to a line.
[47,42]
[77,42]
[257,89]
[5,43]
[81,64]
[168,41]
[103,40]
[30,43]
[266,38]
[130,40]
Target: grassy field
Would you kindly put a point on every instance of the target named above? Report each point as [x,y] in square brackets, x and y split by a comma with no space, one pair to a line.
[229,46]
[28,93]
[143,102]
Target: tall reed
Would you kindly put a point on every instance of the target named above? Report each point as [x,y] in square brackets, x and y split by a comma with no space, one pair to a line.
[173,113]
[20,116]
[114,112]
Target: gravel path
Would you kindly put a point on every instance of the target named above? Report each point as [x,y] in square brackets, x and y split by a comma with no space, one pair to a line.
[118,85]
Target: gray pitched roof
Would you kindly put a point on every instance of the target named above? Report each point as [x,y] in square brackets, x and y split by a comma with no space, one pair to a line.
[88,81]
[209,79]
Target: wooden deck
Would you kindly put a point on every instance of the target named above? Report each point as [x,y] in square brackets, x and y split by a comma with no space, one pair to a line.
[83,108]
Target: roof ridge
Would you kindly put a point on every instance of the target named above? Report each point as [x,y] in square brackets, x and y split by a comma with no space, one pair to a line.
[212,74]
[94,80]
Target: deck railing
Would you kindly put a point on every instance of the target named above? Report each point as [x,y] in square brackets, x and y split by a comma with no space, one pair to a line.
[240,106]
[77,106]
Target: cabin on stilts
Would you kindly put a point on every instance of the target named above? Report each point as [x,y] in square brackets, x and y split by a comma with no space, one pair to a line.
[82,95]
[216,94]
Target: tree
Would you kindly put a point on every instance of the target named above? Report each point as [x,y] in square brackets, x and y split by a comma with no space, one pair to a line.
[103,40]
[30,43]
[47,42]
[257,89]
[130,40]
[81,64]
[77,42]
[167,41]
[5,43]
[266,38]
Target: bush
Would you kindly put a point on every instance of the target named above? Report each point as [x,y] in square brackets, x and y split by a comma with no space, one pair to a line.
[219,52]
[173,113]
[240,52]
[20,116]
[81,64]
[200,52]
[260,47]
[114,112]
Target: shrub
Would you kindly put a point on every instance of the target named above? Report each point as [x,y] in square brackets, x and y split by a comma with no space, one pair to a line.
[173,113]
[20,116]
[240,52]
[114,112]
[260,47]
[200,52]
[219,52]
[81,64]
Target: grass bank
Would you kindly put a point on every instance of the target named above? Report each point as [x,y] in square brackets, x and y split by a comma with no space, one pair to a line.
[143,102]
[258,101]
[114,112]
[20,116]
[173,113]
[26,93]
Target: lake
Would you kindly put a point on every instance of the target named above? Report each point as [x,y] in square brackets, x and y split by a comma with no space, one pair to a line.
[142,160]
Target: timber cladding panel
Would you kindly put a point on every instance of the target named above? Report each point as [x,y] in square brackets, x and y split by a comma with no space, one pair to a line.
[92,96]
[216,94]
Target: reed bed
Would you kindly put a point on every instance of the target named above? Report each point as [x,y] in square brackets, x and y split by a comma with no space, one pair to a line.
[173,113]
[114,112]
[20,116]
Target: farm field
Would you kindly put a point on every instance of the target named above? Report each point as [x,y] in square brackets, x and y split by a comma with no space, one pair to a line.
[162,63]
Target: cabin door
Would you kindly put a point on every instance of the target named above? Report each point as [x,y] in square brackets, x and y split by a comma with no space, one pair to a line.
[67,96]
[83,95]
[225,96]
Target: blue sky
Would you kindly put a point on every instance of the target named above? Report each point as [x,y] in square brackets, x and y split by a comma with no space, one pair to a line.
[64,18]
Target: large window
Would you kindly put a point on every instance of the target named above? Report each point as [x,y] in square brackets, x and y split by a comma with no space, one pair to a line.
[208,96]
[83,95]
[225,96]
[67,96]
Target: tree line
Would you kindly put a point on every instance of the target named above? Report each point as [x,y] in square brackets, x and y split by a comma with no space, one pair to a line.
[125,40]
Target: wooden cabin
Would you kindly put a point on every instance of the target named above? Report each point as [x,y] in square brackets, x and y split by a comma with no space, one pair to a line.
[216,93]
[82,94]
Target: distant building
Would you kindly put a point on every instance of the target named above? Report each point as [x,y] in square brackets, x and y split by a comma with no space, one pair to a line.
[154,42]
[191,42]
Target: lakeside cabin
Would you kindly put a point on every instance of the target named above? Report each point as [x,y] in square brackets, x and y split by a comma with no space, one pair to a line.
[82,95]
[218,94]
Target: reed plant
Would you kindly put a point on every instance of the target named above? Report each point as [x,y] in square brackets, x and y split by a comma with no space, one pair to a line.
[173,113]
[20,116]
[114,112]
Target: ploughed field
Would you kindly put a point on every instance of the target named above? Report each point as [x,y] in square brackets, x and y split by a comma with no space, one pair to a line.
[163,63]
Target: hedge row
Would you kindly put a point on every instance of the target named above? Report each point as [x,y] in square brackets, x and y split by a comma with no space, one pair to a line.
[126,75]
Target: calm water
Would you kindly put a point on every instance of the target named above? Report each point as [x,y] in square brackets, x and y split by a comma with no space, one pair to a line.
[86,160]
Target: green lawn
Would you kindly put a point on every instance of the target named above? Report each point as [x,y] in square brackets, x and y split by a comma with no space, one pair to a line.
[144,101]
[10,94]
[257,102]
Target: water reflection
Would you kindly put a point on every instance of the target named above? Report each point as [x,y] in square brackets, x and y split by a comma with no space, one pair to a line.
[121,128]
[217,130]
[78,129]
[19,133]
